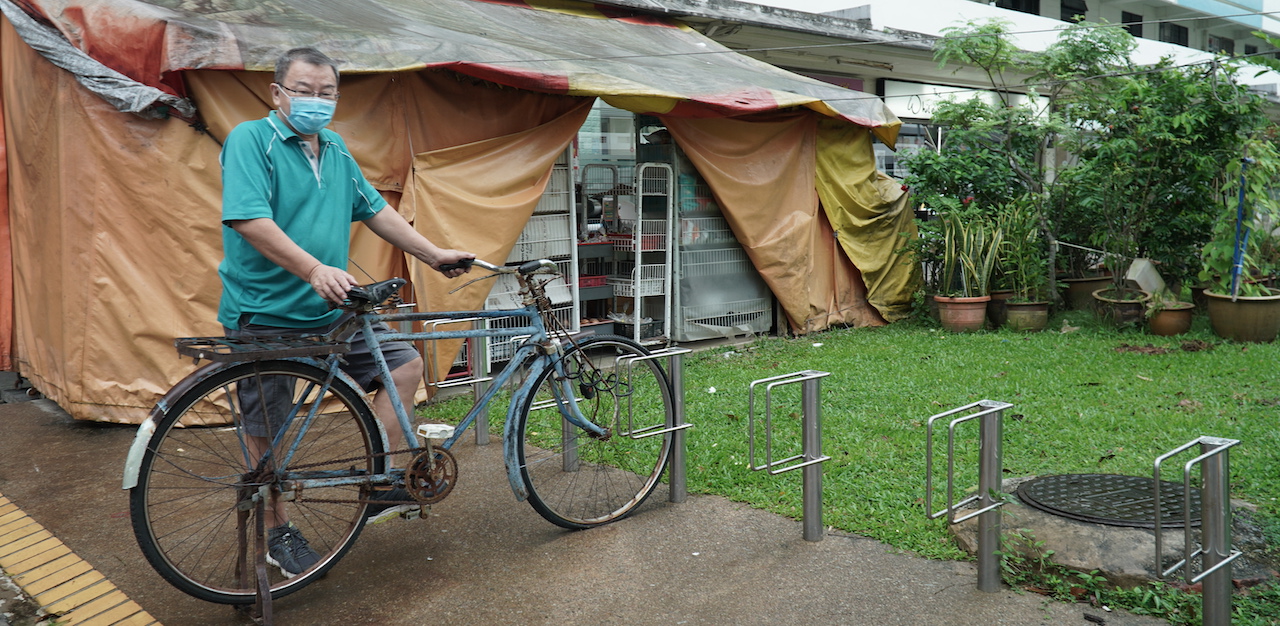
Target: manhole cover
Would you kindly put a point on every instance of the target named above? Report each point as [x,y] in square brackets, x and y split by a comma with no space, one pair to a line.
[1109,499]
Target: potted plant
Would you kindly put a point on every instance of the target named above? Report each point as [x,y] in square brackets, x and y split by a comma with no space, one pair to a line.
[1025,262]
[1168,316]
[969,252]
[1242,309]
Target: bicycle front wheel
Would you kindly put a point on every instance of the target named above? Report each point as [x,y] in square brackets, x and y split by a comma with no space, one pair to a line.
[192,509]
[578,479]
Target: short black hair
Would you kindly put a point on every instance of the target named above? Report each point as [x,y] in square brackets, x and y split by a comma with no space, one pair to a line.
[309,55]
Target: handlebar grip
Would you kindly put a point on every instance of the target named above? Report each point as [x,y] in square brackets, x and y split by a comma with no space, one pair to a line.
[463,264]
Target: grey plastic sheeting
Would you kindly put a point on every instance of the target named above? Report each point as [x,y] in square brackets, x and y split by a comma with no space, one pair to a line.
[122,92]
[635,61]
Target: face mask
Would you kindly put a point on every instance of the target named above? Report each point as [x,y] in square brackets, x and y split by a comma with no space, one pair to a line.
[309,115]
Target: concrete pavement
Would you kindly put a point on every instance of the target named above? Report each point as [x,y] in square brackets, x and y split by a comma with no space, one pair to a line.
[483,558]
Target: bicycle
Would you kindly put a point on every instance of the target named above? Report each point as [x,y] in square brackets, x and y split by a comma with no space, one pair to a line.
[586,438]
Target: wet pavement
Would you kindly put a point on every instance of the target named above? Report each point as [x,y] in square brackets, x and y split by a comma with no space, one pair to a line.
[483,558]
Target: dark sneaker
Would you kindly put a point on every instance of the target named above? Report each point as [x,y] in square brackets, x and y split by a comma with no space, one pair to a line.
[389,504]
[288,550]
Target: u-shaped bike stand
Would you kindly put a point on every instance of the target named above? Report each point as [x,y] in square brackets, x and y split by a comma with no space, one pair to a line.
[1215,551]
[811,456]
[678,490]
[988,498]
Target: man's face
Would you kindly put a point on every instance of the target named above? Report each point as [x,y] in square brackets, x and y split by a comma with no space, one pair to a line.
[305,79]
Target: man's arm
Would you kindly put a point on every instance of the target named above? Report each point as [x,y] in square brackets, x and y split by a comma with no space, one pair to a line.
[332,283]
[389,225]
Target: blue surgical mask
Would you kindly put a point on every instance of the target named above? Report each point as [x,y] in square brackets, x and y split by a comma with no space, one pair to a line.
[308,115]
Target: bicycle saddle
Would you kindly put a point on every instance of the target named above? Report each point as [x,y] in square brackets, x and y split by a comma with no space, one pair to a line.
[372,294]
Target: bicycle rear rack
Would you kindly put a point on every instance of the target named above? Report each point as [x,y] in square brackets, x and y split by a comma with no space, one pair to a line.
[990,462]
[811,455]
[236,349]
[1216,554]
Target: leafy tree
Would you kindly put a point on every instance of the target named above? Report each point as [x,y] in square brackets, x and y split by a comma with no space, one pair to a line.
[1127,159]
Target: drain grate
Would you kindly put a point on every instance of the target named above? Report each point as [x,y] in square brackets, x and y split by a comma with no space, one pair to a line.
[1110,499]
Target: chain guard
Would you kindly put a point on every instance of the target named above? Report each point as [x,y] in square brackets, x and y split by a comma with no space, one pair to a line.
[431,475]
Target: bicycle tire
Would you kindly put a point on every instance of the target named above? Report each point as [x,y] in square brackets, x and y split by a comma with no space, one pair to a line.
[576,481]
[184,506]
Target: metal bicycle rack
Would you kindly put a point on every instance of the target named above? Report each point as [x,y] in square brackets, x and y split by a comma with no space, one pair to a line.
[477,360]
[1215,552]
[811,442]
[990,462]
[678,490]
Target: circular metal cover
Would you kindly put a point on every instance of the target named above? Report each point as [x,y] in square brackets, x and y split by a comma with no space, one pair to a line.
[1109,499]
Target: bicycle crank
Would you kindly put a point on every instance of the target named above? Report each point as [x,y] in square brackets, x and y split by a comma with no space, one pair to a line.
[431,475]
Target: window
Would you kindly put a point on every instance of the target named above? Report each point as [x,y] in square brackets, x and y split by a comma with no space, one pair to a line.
[1222,45]
[1250,50]
[1025,6]
[1072,9]
[1174,34]
[1132,23]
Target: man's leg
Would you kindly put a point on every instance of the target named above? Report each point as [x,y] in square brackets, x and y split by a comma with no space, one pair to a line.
[406,378]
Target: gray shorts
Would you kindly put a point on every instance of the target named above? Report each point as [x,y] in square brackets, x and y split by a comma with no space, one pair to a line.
[359,364]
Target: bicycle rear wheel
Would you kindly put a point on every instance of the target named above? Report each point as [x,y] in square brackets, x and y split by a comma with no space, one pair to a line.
[576,480]
[192,510]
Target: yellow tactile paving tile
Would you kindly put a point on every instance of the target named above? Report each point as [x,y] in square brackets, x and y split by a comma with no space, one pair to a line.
[61,582]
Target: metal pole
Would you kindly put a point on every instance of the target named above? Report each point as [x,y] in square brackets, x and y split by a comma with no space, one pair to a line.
[1215,530]
[812,446]
[478,356]
[679,489]
[990,462]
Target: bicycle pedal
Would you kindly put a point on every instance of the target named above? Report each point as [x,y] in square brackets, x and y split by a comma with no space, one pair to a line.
[435,431]
[416,513]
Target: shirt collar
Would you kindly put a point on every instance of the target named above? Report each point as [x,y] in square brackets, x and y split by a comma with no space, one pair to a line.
[282,129]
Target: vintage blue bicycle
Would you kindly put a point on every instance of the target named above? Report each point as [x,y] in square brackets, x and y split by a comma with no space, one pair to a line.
[586,438]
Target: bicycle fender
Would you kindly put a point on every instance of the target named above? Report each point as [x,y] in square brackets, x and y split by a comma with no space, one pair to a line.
[133,461]
[511,440]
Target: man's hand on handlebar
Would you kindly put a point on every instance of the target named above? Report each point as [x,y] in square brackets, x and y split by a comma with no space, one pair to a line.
[453,263]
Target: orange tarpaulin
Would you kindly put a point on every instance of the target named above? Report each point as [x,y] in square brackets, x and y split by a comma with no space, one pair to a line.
[485,219]
[6,251]
[113,263]
[762,174]
[115,237]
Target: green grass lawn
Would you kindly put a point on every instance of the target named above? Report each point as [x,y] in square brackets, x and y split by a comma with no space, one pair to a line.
[1080,405]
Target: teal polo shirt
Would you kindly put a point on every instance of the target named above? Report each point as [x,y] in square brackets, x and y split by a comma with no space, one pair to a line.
[265,173]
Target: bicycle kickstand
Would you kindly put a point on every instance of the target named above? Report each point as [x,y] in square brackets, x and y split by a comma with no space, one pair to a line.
[260,611]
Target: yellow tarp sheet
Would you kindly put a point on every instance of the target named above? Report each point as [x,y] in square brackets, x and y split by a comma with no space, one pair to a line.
[870,214]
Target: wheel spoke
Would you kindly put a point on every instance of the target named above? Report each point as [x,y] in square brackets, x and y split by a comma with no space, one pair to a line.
[576,480]
[184,508]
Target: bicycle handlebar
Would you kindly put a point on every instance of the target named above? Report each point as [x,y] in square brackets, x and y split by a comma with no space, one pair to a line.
[374,294]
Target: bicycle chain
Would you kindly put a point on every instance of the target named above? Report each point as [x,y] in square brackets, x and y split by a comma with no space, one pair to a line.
[352,460]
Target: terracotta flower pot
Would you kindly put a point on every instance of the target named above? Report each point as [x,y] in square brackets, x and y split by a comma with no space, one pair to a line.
[1173,319]
[996,307]
[1027,316]
[962,315]
[1248,318]
[1124,308]
[1079,295]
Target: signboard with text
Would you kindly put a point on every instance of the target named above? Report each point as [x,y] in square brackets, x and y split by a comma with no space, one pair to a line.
[920,100]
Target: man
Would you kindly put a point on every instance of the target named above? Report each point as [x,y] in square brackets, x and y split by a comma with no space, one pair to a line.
[290,193]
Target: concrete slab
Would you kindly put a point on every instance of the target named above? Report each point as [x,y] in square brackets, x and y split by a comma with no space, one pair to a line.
[482,558]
